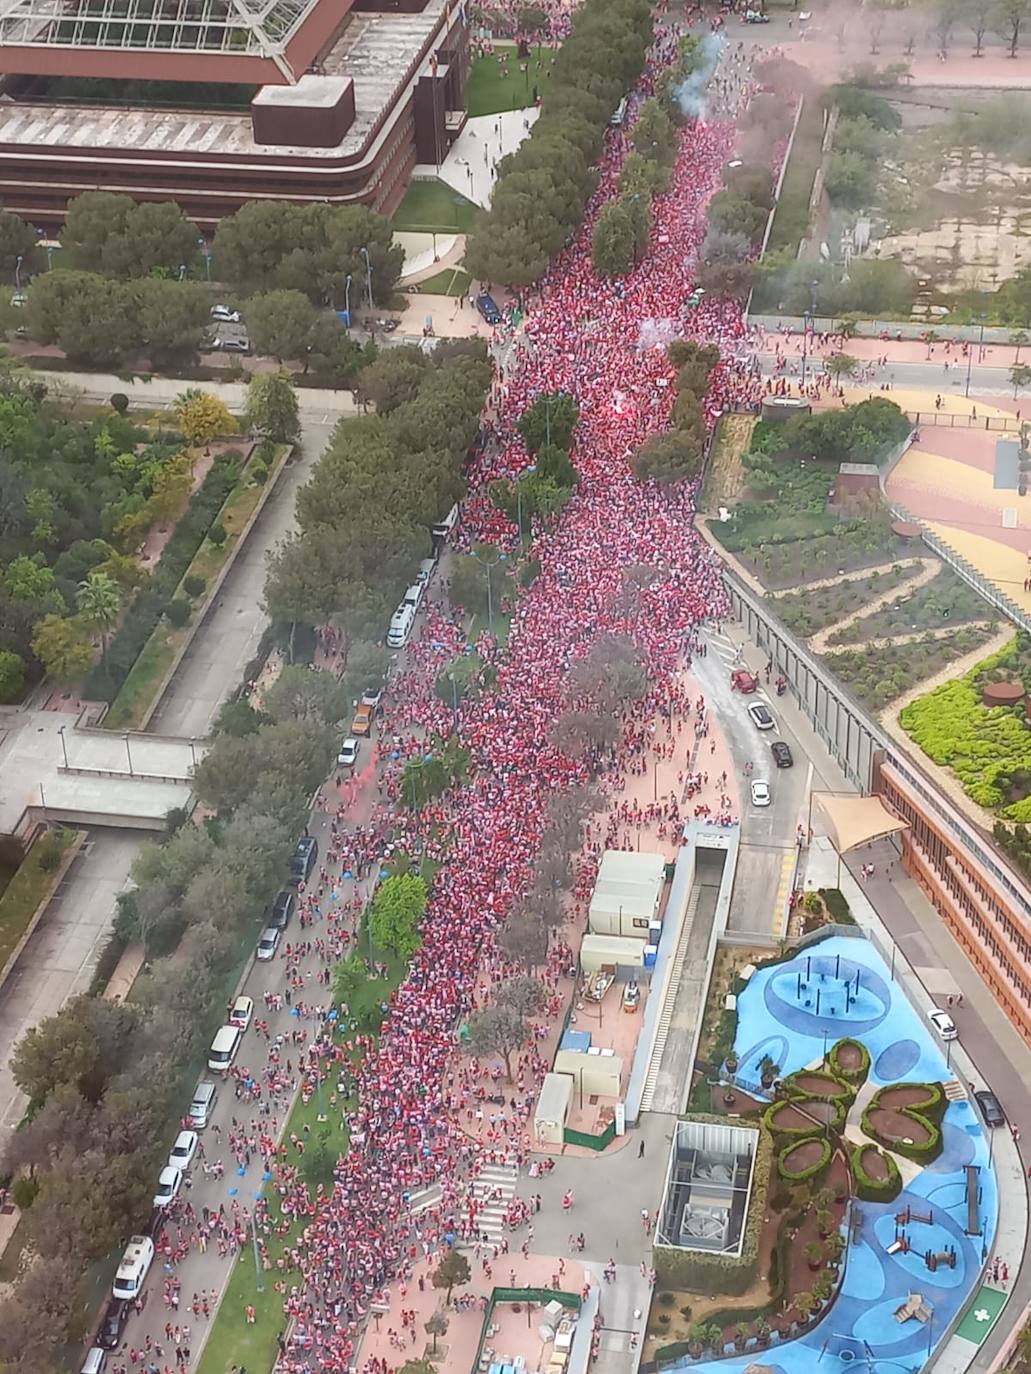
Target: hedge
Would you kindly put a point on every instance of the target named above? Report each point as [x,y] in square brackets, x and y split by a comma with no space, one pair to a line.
[834,901]
[106,678]
[811,1170]
[796,1133]
[855,1077]
[875,1189]
[928,1112]
[846,1093]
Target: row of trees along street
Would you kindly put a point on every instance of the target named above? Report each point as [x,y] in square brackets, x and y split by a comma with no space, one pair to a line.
[129,281]
[543,187]
[79,498]
[107,1082]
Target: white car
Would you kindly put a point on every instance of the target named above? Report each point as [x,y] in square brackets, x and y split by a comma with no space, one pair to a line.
[181,1154]
[170,1180]
[760,792]
[224,315]
[762,718]
[241,1012]
[348,755]
[268,944]
[943,1023]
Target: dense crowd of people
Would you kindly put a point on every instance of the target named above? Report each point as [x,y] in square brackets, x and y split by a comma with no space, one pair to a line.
[426,1115]
[587,336]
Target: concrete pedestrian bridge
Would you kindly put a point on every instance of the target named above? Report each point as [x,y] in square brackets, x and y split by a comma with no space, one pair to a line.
[55,766]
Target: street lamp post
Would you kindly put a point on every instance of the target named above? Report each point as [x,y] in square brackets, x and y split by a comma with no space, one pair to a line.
[259,1280]
[454,696]
[526,472]
[17,272]
[980,348]
[490,594]
[347,299]
[128,753]
[64,745]
[206,255]
[368,272]
[182,271]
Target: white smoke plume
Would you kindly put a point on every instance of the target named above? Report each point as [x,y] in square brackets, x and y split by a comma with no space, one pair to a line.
[691,92]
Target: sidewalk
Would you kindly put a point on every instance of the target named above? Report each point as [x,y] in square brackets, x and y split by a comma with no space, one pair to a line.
[162,391]
[890,908]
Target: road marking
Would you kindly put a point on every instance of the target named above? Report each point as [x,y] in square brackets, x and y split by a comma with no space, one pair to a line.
[780,904]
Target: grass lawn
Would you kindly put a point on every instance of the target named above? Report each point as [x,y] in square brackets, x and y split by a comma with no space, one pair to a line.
[231,1340]
[453,281]
[31,883]
[137,692]
[488,92]
[432,207]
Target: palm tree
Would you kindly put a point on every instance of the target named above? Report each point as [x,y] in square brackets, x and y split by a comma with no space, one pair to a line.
[99,600]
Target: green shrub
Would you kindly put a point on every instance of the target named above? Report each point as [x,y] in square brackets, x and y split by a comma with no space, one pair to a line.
[120,402]
[875,1190]
[24,1191]
[667,1299]
[50,849]
[151,601]
[854,1076]
[834,901]
[217,534]
[194,586]
[810,1170]
[178,611]
[927,1111]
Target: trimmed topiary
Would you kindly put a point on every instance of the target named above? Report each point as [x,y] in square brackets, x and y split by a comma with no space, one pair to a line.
[856,1076]
[808,1171]
[868,1188]
[926,1112]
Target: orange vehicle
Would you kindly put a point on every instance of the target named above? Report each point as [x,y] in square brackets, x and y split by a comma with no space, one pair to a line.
[743,681]
[365,713]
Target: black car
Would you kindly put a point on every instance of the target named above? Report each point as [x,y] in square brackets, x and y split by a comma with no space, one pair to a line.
[303,861]
[282,909]
[991,1108]
[781,754]
[116,1314]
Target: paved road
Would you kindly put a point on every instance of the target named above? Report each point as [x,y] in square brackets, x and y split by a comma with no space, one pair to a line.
[229,637]
[62,954]
[767,851]
[58,960]
[986,379]
[1001,1056]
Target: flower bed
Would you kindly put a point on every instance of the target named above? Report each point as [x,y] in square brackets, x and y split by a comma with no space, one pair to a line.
[804,1159]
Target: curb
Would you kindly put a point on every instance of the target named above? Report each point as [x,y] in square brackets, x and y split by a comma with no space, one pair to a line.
[214,590]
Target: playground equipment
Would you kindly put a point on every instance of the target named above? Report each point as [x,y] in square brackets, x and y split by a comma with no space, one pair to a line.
[946,1257]
[915,1307]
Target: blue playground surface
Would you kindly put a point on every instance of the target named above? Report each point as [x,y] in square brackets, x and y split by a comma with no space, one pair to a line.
[793,1011]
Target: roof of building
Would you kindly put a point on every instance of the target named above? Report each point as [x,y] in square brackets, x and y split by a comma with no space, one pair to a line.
[235,27]
[374,50]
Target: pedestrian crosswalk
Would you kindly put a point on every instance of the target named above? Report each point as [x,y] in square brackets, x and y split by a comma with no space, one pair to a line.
[722,646]
[493,1189]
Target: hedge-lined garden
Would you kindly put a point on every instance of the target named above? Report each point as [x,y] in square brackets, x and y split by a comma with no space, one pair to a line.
[876,1174]
[987,747]
[898,1107]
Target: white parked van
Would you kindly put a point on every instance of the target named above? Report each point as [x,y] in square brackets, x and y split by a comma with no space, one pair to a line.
[413,596]
[134,1268]
[401,627]
[427,568]
[224,1047]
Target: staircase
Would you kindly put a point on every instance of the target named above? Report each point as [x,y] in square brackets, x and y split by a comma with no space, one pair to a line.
[955,1091]
[669,1001]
